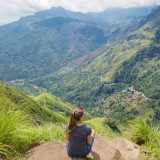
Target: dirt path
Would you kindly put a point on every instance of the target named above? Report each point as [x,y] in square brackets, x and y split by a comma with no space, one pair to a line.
[145,96]
[117,149]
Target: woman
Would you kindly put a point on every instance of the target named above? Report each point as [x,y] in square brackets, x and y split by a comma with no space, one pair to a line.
[79,136]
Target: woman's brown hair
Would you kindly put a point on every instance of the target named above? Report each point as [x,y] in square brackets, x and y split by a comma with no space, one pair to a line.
[75,116]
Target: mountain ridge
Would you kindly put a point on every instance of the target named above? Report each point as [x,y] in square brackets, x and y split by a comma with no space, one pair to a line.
[96,77]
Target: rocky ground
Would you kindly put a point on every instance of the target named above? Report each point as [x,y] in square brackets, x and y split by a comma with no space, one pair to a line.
[116,149]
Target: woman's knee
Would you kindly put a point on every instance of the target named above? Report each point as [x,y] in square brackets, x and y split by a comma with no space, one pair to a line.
[93,133]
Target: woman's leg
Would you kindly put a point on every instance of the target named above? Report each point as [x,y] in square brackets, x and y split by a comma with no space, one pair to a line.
[93,133]
[67,145]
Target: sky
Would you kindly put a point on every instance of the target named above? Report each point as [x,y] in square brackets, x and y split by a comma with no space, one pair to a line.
[12,10]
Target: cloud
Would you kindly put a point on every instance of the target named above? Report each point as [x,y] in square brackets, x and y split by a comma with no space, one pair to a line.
[12,10]
[92,5]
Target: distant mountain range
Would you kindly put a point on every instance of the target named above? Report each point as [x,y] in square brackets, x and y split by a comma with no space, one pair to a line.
[83,59]
[47,41]
[135,60]
[39,47]
[110,16]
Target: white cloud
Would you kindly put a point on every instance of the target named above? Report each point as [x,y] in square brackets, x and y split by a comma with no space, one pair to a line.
[12,10]
[92,5]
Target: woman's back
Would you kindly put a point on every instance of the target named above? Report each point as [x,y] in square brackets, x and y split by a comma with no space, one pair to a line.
[78,135]
[78,139]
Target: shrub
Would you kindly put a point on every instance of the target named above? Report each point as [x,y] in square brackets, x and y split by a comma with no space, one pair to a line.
[112,124]
[148,136]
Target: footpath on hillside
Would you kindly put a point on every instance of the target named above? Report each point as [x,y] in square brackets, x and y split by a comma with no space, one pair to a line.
[116,149]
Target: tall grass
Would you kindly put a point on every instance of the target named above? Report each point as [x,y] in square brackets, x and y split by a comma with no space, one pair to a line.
[148,136]
[17,133]
[12,120]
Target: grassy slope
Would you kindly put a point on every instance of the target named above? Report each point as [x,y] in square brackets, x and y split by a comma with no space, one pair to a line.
[18,133]
[99,125]
[56,104]
[32,107]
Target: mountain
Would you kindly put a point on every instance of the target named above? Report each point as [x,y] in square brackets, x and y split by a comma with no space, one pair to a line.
[119,15]
[109,16]
[31,48]
[55,12]
[43,43]
[118,82]
[132,62]
[127,56]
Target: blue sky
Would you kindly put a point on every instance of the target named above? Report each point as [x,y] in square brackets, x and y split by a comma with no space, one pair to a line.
[12,10]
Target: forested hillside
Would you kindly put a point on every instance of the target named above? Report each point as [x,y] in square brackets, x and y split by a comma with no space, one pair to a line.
[52,53]
[134,61]
[43,43]
[38,47]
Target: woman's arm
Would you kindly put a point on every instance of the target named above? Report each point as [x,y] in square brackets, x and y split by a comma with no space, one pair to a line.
[88,139]
[67,137]
[89,136]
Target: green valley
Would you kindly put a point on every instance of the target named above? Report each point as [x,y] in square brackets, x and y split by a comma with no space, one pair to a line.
[134,61]
[60,59]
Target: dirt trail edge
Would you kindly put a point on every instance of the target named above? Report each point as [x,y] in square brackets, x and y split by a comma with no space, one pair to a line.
[116,149]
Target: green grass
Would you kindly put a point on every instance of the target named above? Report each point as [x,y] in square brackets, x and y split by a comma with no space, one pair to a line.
[60,109]
[148,136]
[97,124]
[43,106]
[54,103]
[103,129]
[17,133]
[17,116]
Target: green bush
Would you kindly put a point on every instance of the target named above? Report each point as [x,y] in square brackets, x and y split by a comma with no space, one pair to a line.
[148,136]
[112,124]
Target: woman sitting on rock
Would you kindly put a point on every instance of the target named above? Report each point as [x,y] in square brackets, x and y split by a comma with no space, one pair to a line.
[79,136]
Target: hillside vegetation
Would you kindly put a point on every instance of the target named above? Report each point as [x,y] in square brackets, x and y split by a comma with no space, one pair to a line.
[134,61]
[47,41]
[40,112]
[17,132]
[51,53]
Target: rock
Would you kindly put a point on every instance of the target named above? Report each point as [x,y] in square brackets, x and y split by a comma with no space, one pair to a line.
[145,151]
[102,150]
[53,150]
[128,149]
[117,149]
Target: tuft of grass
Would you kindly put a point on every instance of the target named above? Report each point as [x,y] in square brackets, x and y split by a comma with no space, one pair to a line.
[17,133]
[148,136]
[46,133]
[12,120]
